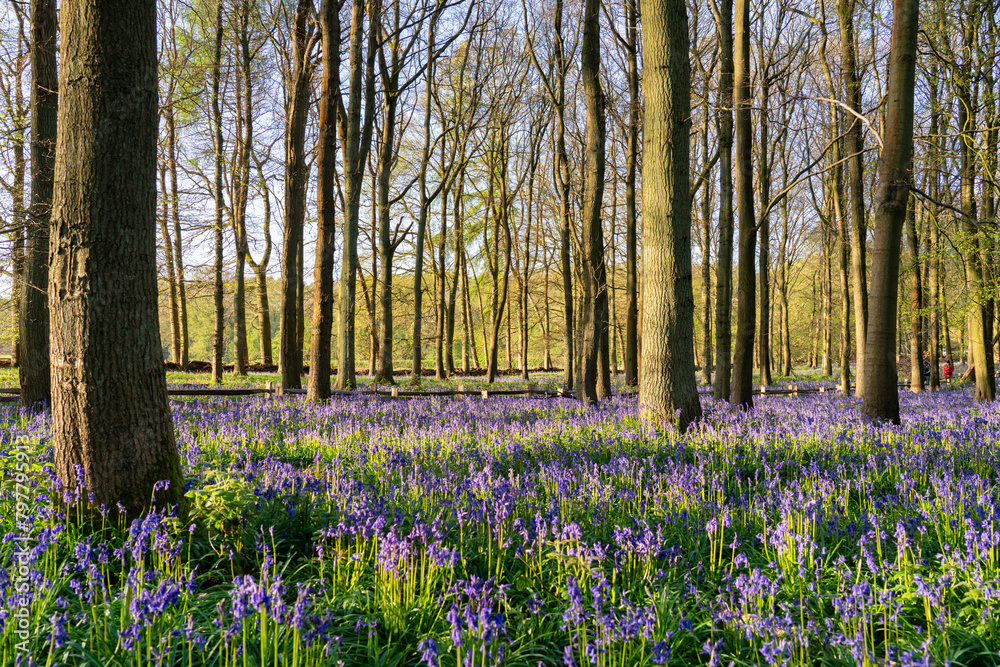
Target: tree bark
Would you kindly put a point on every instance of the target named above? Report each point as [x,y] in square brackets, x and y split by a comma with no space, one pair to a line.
[355,143]
[933,259]
[218,343]
[916,299]
[322,317]
[764,185]
[975,241]
[742,387]
[110,417]
[706,257]
[260,271]
[175,210]
[724,262]
[853,147]
[563,184]
[667,383]
[595,379]
[881,399]
[17,195]
[631,236]
[289,353]
[175,320]
[416,355]
[241,191]
[34,320]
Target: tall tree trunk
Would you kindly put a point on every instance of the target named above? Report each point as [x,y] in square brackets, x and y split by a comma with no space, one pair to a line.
[523,287]
[563,184]
[387,244]
[980,325]
[290,351]
[949,352]
[260,271]
[667,383]
[631,235]
[814,322]
[416,368]
[241,190]
[843,265]
[613,307]
[988,246]
[828,302]
[498,200]
[853,147]
[706,258]
[724,268]
[175,210]
[786,334]
[595,381]
[218,343]
[456,284]
[34,319]
[322,318]
[881,400]
[355,142]
[110,416]
[764,184]
[933,258]
[17,196]
[468,330]
[916,299]
[742,387]
[175,319]
[444,318]
[547,363]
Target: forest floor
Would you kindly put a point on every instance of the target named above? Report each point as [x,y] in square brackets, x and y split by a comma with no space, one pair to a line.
[523,532]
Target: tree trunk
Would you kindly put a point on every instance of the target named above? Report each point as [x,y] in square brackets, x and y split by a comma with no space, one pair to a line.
[416,368]
[764,183]
[742,388]
[853,147]
[17,197]
[387,244]
[290,351]
[828,303]
[218,343]
[631,243]
[175,210]
[783,267]
[595,380]
[916,298]
[355,141]
[260,271]
[980,324]
[34,320]
[563,184]
[443,318]
[456,284]
[498,200]
[175,320]
[881,400]
[110,416]
[933,258]
[706,258]
[241,191]
[667,383]
[322,318]
[949,352]
[814,322]
[724,268]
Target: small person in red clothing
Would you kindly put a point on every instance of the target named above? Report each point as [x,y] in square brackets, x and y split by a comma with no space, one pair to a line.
[949,369]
